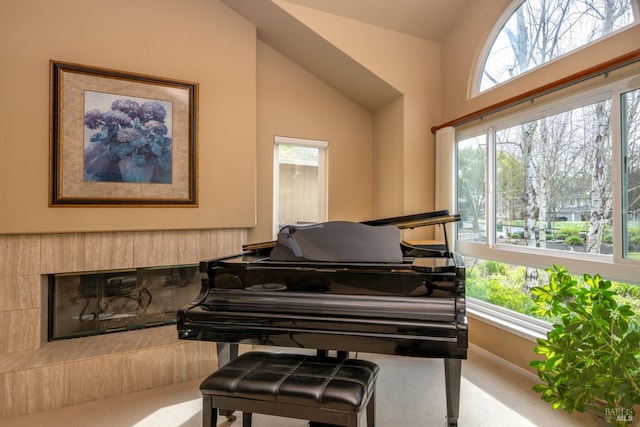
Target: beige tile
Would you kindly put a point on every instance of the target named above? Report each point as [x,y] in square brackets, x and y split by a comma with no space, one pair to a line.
[147,369]
[145,338]
[227,242]
[62,253]
[6,389]
[19,255]
[38,389]
[20,330]
[34,377]
[155,248]
[93,379]
[108,251]
[66,351]
[109,344]
[20,292]
[37,358]
[193,360]
[193,246]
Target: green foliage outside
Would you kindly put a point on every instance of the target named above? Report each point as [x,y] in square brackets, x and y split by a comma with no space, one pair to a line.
[499,284]
[504,285]
[573,233]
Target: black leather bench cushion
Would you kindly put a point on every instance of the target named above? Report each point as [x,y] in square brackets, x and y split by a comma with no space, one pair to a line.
[328,382]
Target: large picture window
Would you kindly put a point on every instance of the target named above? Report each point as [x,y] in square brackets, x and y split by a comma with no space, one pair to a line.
[556,183]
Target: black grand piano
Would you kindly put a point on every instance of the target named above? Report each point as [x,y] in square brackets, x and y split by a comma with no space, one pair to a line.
[342,287]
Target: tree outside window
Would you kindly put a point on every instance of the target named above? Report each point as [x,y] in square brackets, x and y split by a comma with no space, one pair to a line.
[542,30]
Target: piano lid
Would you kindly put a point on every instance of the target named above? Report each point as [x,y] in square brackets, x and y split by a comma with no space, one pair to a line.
[416,220]
[338,241]
[423,219]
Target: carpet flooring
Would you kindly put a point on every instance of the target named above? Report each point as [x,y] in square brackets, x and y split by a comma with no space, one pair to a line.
[410,393]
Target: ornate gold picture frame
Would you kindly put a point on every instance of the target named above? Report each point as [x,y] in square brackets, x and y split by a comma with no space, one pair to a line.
[121,139]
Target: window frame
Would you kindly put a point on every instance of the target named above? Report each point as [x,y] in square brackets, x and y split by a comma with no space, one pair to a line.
[322,147]
[614,267]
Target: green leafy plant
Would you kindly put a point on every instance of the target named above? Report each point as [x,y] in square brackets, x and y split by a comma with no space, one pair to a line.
[574,241]
[591,356]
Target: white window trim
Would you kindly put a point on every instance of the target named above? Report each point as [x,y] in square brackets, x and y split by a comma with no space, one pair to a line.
[322,174]
[287,140]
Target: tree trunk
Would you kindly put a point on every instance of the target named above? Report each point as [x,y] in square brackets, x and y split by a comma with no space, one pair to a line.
[600,194]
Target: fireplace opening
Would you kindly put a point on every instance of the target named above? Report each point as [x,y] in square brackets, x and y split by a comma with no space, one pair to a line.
[99,302]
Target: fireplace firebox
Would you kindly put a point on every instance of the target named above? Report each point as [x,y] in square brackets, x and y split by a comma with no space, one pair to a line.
[98,302]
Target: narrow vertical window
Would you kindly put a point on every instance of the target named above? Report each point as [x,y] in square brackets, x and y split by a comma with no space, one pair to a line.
[299,181]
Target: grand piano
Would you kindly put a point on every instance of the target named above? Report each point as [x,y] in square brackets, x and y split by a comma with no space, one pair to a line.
[337,286]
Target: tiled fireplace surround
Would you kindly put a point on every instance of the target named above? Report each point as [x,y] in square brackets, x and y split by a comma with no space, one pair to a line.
[36,375]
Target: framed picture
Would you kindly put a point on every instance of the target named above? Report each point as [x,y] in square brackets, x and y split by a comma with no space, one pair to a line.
[121,139]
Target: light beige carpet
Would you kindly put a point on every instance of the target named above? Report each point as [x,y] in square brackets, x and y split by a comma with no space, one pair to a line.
[410,393]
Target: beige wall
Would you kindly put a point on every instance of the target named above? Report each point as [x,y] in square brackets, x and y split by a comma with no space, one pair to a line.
[412,66]
[293,103]
[248,94]
[387,160]
[204,42]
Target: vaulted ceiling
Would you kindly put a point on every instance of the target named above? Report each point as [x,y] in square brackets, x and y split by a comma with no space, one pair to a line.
[427,19]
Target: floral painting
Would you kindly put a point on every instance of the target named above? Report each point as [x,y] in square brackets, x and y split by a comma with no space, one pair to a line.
[121,139]
[126,139]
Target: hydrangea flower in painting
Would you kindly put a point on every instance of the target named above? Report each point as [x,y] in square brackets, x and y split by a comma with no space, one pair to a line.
[128,131]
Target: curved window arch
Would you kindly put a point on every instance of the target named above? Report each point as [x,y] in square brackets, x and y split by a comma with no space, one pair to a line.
[538,31]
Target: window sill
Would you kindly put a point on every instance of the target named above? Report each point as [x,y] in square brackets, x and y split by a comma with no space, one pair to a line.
[508,320]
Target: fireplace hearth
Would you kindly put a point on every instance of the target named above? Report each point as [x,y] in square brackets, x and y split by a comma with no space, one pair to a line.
[99,302]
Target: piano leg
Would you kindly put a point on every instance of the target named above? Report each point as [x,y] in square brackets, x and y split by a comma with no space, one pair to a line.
[226,353]
[452,373]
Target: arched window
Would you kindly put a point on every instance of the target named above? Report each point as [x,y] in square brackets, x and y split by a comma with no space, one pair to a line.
[539,31]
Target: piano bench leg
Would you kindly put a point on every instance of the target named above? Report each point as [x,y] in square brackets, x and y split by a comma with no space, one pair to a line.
[209,414]
[246,419]
[371,410]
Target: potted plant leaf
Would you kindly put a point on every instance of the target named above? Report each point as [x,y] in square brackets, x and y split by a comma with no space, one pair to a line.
[591,356]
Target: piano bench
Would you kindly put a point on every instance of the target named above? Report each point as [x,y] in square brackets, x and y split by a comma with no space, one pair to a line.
[328,390]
